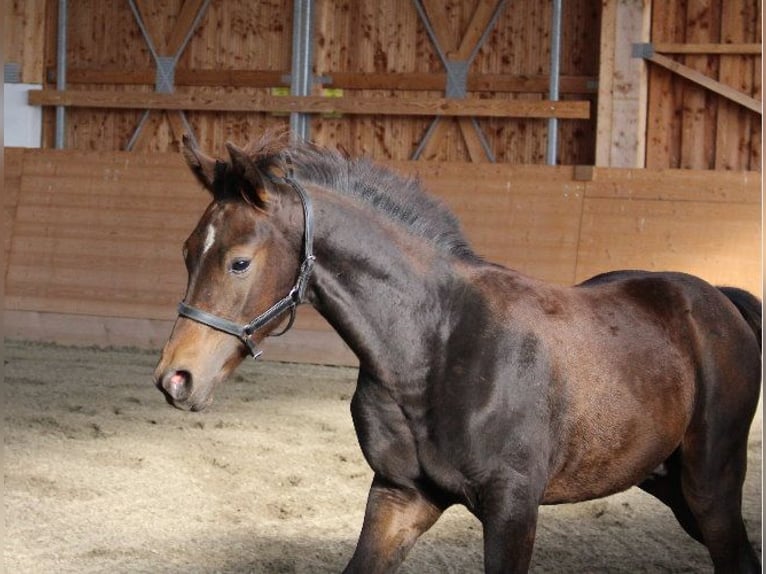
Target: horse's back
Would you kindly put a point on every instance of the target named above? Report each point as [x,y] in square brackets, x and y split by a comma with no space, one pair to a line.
[720,327]
[650,354]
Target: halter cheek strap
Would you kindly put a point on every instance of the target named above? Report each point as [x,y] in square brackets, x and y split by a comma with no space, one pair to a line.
[288,303]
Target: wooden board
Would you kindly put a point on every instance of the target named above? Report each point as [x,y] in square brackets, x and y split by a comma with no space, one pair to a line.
[523,217]
[101,235]
[313,104]
[24,38]
[717,44]
[718,242]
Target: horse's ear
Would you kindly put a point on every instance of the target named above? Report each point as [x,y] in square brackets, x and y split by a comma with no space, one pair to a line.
[252,181]
[202,166]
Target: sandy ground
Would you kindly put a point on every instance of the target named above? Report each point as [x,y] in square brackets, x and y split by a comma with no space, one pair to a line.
[102,476]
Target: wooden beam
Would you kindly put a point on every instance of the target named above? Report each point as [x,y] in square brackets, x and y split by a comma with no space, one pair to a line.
[183,25]
[733,121]
[313,104]
[707,82]
[414,81]
[472,140]
[621,120]
[708,48]
[481,18]
[605,104]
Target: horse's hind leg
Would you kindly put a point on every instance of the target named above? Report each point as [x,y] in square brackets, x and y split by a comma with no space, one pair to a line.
[665,484]
[711,482]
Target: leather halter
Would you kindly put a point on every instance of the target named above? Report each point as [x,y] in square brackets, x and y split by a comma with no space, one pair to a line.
[288,302]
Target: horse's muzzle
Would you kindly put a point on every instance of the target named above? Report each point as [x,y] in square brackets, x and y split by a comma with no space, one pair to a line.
[177,388]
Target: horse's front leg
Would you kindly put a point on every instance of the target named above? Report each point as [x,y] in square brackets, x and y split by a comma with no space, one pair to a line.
[509,519]
[394,519]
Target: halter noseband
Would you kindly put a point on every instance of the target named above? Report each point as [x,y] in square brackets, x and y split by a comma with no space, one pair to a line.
[289,302]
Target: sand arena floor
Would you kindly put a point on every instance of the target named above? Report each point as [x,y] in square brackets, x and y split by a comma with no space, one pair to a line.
[101,475]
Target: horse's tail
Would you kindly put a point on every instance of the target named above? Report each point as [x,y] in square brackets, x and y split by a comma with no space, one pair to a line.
[750,308]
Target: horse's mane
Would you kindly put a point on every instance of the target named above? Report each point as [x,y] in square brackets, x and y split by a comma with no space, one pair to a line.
[398,197]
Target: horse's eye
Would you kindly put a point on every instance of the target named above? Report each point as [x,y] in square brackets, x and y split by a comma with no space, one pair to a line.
[240,265]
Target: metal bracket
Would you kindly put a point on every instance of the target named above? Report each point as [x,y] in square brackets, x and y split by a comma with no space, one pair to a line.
[321,80]
[166,74]
[643,50]
[457,73]
[457,78]
[12,73]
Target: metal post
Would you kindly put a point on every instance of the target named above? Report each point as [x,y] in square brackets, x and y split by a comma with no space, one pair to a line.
[300,76]
[60,135]
[553,123]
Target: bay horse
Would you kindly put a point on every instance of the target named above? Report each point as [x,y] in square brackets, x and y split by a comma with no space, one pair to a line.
[477,385]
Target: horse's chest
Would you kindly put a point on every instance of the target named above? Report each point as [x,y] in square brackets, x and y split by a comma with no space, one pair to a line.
[396,442]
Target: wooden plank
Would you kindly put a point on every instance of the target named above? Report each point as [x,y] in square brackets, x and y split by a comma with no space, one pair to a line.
[410,81]
[620,140]
[481,17]
[670,235]
[147,132]
[314,104]
[24,39]
[663,127]
[446,36]
[676,185]
[154,23]
[699,109]
[472,140]
[604,113]
[756,138]
[733,47]
[177,125]
[524,217]
[732,132]
[183,25]
[708,82]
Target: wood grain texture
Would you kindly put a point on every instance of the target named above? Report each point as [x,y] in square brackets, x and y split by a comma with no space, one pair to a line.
[367,48]
[313,104]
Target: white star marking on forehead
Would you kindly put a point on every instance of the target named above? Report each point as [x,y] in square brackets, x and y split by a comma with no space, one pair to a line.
[209,239]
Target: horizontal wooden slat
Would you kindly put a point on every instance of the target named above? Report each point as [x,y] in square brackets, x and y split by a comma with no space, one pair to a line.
[717,241]
[675,185]
[413,81]
[734,49]
[473,107]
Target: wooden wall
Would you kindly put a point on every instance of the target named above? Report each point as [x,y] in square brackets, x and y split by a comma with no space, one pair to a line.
[365,48]
[371,49]
[688,126]
[94,255]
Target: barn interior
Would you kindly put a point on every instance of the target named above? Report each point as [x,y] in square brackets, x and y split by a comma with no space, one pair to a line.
[569,137]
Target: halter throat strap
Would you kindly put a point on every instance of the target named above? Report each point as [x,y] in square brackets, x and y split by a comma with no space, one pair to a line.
[287,303]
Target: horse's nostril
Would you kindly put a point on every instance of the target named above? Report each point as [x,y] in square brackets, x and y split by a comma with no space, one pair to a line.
[177,384]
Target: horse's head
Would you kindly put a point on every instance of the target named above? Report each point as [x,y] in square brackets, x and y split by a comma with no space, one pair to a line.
[240,259]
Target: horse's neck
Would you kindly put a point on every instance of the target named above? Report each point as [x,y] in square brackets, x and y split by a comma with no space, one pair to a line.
[384,292]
